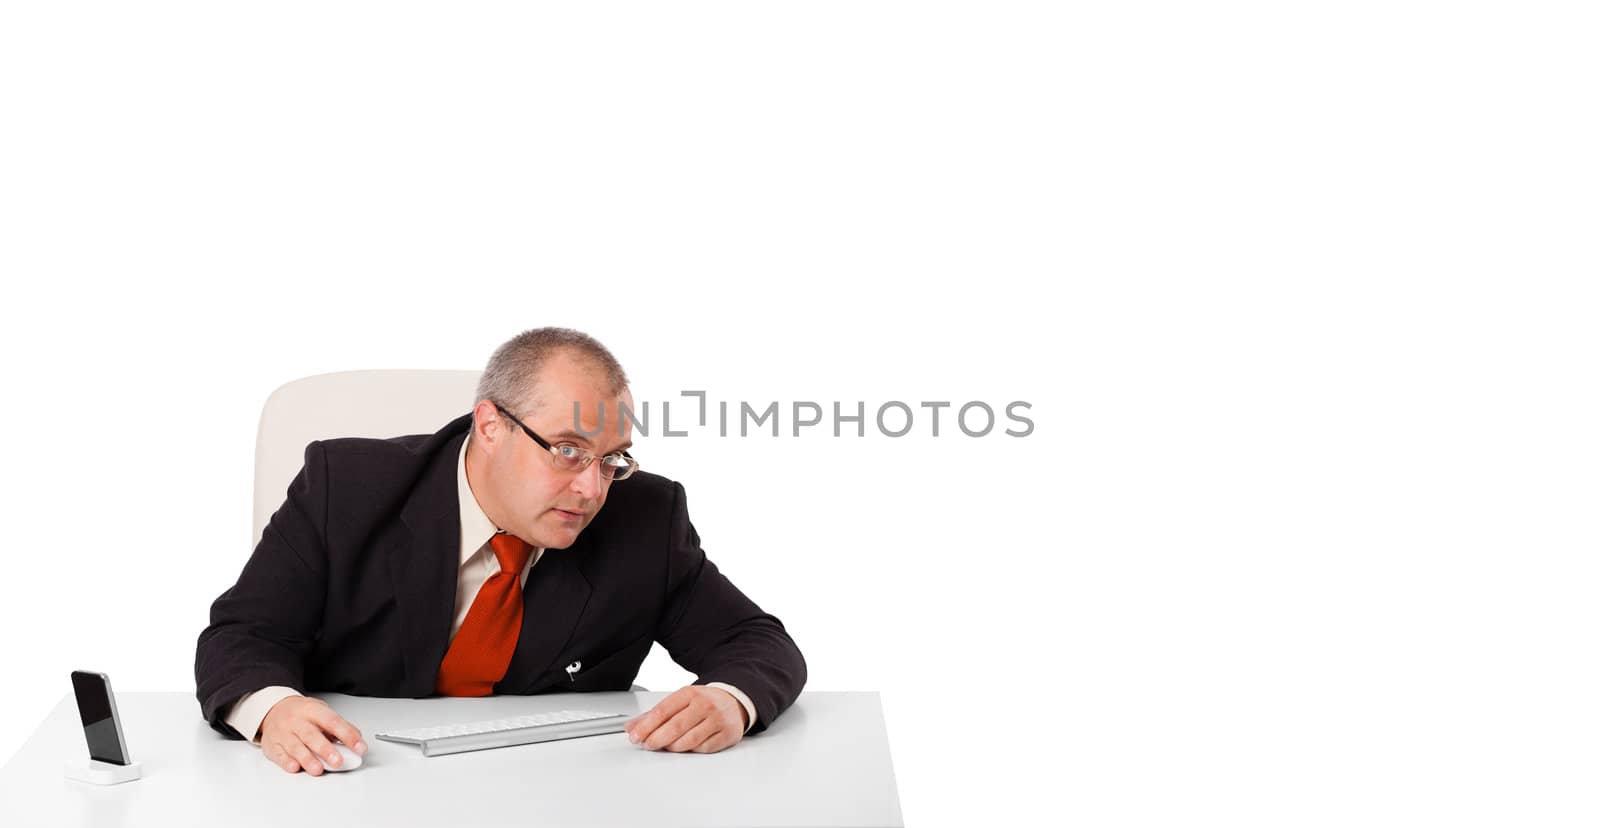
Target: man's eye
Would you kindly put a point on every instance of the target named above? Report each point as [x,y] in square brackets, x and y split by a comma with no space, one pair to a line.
[568,452]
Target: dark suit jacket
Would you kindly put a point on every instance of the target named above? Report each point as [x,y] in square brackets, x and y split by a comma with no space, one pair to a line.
[352,590]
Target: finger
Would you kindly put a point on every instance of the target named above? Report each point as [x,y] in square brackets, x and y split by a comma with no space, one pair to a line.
[640,729]
[278,756]
[730,734]
[287,761]
[347,734]
[319,745]
[667,731]
[665,709]
[695,736]
[302,754]
[673,728]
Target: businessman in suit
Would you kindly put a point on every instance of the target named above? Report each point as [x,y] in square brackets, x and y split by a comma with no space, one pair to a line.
[517,550]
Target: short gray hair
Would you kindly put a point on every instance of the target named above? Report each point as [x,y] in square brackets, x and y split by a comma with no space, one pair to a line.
[514,367]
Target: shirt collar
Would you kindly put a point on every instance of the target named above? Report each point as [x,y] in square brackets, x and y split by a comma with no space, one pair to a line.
[476,528]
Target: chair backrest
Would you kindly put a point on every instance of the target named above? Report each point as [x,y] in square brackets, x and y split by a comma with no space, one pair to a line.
[348,404]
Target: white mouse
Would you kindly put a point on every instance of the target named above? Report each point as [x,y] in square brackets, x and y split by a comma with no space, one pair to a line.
[349,760]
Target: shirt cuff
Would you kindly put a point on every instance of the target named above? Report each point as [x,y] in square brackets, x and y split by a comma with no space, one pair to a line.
[251,708]
[749,706]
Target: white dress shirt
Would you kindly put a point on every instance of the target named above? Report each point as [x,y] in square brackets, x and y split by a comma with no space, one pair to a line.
[478,565]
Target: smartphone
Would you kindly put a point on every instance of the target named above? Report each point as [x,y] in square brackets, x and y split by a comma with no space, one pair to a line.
[98,710]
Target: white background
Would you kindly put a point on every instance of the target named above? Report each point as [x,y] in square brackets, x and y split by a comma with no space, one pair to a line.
[1301,295]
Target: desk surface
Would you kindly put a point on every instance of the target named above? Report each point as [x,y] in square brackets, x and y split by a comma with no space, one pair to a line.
[824,763]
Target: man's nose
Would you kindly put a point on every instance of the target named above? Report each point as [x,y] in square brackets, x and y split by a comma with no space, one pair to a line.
[587,482]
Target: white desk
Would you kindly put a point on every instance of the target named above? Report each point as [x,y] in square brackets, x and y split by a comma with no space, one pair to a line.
[825,763]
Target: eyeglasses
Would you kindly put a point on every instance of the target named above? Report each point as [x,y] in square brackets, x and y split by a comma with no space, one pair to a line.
[567,457]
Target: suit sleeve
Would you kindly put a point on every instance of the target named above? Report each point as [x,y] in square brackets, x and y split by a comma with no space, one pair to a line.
[711,629]
[264,626]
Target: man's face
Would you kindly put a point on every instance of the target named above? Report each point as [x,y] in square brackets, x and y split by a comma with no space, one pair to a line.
[530,497]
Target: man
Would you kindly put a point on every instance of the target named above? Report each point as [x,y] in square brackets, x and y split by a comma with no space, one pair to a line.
[478,560]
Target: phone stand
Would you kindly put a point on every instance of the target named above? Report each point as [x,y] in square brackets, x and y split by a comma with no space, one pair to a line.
[96,772]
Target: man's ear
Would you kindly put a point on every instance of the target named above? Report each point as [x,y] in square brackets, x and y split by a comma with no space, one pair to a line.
[485,424]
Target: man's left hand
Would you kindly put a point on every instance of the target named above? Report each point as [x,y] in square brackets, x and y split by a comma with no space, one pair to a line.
[695,719]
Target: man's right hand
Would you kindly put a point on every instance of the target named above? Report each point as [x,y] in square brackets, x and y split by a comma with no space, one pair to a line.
[296,732]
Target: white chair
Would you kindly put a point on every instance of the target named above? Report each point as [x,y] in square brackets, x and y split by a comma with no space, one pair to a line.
[348,404]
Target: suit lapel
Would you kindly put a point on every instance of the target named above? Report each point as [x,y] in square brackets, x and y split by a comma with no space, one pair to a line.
[553,600]
[423,569]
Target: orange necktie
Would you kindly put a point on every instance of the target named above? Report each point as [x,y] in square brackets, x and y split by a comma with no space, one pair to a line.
[481,652]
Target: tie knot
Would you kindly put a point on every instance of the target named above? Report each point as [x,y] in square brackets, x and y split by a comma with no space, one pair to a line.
[511,551]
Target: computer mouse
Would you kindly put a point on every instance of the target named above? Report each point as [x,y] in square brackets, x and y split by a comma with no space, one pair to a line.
[349,760]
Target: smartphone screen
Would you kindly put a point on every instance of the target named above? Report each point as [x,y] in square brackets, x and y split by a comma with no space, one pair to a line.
[99,714]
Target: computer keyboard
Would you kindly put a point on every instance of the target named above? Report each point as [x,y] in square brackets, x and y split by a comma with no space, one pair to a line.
[517,730]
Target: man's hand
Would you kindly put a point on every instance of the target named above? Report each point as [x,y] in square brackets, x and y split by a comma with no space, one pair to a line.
[295,735]
[694,718]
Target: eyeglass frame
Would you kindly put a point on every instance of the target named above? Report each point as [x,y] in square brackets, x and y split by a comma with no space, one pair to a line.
[554,452]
